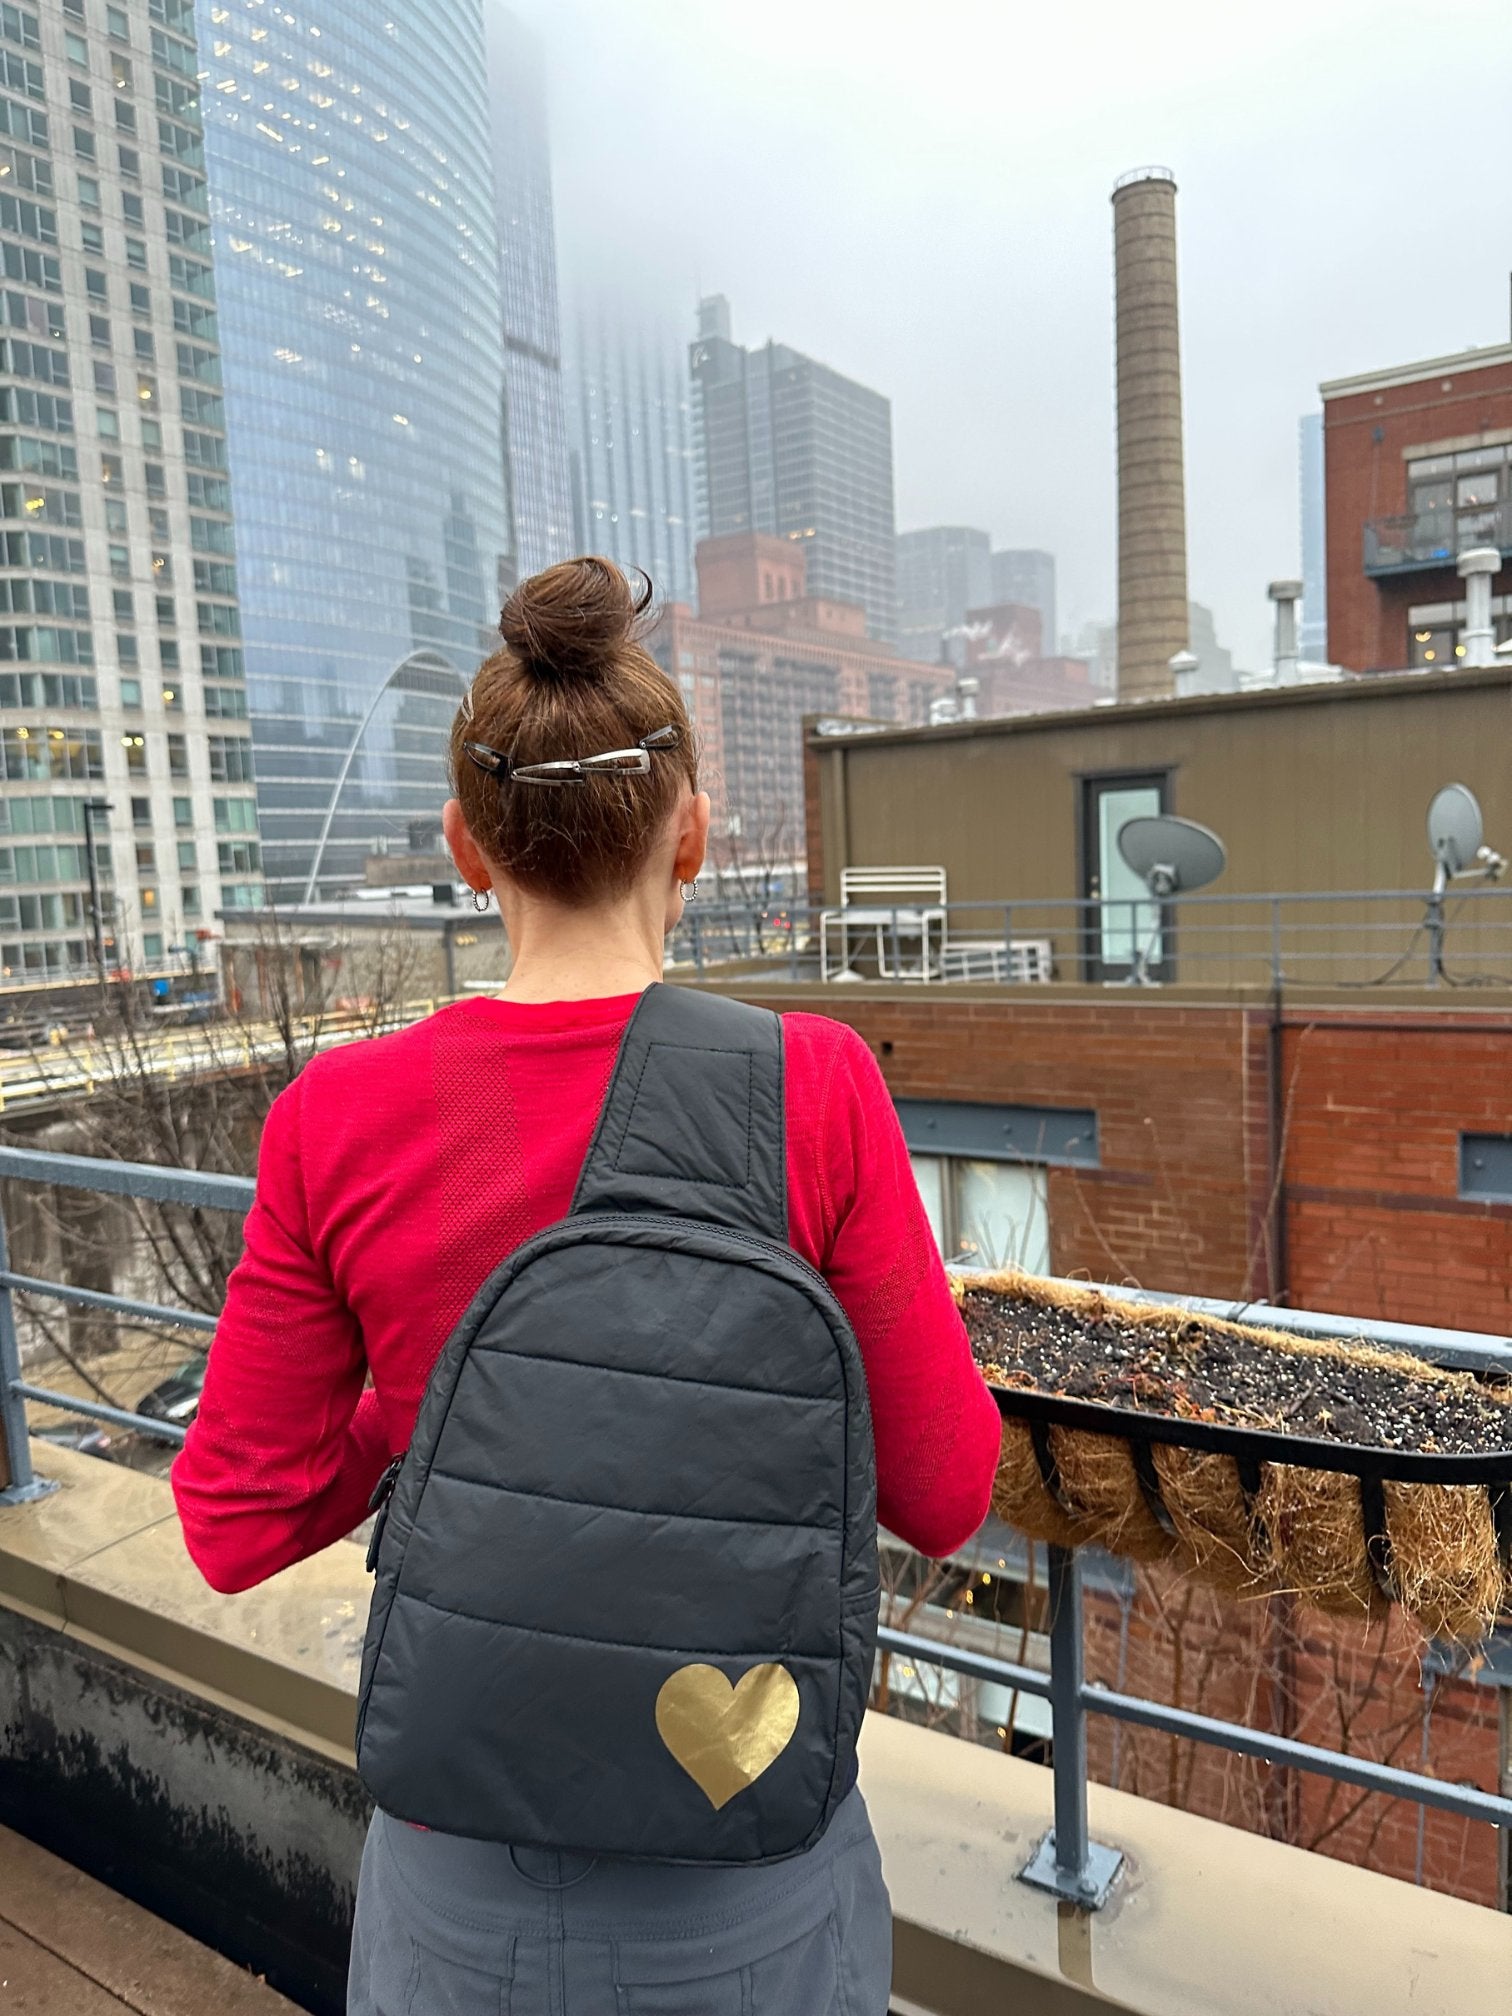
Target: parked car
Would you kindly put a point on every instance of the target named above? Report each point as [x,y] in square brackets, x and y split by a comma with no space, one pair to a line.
[177,1398]
[86,1437]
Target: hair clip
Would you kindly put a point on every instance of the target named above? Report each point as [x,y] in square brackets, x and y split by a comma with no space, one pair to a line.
[635,762]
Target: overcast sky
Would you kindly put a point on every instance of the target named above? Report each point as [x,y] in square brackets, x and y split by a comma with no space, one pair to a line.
[918,194]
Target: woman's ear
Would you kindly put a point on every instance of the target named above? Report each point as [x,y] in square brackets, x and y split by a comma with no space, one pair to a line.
[471,865]
[692,838]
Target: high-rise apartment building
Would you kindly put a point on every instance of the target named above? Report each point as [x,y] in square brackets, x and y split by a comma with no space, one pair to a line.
[787,445]
[943,571]
[122,702]
[359,299]
[1027,576]
[630,422]
[535,425]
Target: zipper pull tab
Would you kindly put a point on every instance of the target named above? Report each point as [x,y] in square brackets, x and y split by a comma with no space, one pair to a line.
[383,1490]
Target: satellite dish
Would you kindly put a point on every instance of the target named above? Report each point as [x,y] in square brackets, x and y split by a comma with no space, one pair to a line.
[1456,831]
[1171,854]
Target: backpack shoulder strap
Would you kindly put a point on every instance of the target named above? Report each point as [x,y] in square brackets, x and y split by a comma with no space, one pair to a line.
[693,1124]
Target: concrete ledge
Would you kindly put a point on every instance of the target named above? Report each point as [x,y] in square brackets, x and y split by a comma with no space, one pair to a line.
[1207,1921]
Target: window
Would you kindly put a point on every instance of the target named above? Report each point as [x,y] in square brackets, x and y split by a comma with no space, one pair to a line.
[146,857]
[132,211]
[189,895]
[116,24]
[84,143]
[146,349]
[235,815]
[136,254]
[76,49]
[80,97]
[92,238]
[141,301]
[152,435]
[109,423]
[105,378]
[141,812]
[131,692]
[120,563]
[995,1214]
[238,857]
[131,163]
[112,469]
[120,71]
[230,759]
[156,479]
[115,515]
[168,656]
[89,192]
[126,649]
[178,756]
[126,117]
[125,605]
[99,330]
[94,283]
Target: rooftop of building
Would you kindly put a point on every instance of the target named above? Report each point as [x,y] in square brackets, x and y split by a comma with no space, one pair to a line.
[1475,359]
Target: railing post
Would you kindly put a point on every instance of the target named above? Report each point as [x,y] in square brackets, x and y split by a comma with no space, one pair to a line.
[1068,1861]
[1068,1719]
[18,1482]
[1275,941]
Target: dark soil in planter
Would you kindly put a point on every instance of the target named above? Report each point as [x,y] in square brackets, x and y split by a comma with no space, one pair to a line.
[1358,1394]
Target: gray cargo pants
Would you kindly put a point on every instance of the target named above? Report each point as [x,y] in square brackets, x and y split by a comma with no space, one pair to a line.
[447,1927]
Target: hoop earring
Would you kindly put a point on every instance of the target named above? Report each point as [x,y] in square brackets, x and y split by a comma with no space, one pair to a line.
[687,890]
[481,900]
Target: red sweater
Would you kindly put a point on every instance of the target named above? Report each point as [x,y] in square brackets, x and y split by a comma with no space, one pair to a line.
[395,1175]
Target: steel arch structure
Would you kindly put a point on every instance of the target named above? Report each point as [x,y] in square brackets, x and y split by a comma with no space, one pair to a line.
[424,671]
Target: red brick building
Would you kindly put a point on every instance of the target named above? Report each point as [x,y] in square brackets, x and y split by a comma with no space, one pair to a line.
[1417,470]
[760,655]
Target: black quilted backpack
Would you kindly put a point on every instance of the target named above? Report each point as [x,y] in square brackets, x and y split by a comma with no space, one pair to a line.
[626,1594]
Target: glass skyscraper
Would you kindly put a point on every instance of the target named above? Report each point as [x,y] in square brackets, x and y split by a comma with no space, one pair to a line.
[943,571]
[358,276]
[787,445]
[631,424]
[535,424]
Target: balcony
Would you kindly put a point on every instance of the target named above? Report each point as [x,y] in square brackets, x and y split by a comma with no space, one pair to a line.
[194,1751]
[1426,540]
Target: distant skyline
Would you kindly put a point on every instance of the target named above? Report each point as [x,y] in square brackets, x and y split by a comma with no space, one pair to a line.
[920,200]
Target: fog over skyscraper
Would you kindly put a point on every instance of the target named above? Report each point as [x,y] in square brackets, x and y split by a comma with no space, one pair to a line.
[535,426]
[631,428]
[788,445]
[361,330]
[943,571]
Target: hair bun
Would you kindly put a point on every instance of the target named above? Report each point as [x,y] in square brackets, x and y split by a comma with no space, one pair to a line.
[568,624]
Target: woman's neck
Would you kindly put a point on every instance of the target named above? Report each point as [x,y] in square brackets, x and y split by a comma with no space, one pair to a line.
[581,955]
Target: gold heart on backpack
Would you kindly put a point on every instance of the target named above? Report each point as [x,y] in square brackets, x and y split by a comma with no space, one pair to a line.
[725,1737]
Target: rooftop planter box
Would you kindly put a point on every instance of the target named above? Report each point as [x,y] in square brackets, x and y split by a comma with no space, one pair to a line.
[1349,1474]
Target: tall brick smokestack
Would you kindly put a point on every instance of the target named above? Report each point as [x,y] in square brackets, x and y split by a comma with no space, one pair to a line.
[1152,569]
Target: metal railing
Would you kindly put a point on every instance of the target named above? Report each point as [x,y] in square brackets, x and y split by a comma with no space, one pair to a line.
[1067,1861]
[1418,539]
[1345,938]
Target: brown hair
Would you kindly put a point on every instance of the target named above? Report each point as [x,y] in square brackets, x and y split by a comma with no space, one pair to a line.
[572,680]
